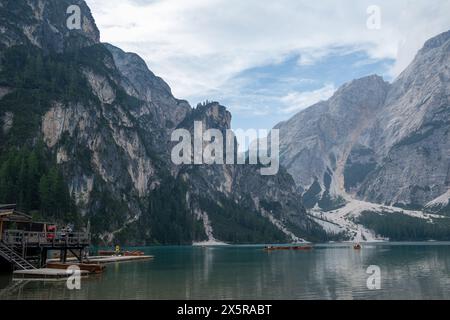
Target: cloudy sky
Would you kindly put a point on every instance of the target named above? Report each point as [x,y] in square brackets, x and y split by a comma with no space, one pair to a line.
[263,59]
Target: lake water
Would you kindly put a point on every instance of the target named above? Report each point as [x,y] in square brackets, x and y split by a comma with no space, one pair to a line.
[332,271]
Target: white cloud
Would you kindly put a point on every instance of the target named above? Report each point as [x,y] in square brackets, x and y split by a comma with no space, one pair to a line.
[199,45]
[297,101]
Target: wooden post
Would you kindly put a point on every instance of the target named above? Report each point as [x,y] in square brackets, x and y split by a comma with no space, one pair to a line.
[64,255]
[43,258]
[23,245]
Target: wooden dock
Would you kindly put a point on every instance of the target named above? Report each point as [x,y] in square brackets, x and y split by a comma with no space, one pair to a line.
[113,259]
[25,244]
[89,267]
[45,274]
[106,259]
[58,271]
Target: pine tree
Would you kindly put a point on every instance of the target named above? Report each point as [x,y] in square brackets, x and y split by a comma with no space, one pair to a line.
[44,194]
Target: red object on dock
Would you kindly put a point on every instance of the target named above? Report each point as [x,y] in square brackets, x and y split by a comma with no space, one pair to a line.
[106,253]
[133,253]
[51,231]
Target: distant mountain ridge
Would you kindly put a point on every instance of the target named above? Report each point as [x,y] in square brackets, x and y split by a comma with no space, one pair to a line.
[375,141]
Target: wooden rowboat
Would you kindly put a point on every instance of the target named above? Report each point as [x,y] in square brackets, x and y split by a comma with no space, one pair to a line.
[298,248]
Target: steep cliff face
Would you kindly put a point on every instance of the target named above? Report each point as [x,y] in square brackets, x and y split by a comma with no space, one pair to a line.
[242,195]
[105,122]
[43,23]
[380,142]
[318,143]
[412,132]
[161,108]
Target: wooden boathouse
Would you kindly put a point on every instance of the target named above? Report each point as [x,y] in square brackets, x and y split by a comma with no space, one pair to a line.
[25,244]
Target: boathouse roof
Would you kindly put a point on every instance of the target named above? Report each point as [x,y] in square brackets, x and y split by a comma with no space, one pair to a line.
[8,212]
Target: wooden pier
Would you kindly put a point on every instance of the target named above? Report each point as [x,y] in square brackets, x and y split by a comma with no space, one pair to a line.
[106,259]
[57,270]
[45,274]
[25,244]
[114,259]
[89,267]
[95,264]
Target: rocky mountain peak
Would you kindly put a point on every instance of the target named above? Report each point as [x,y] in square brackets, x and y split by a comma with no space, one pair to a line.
[430,62]
[212,114]
[361,83]
[367,93]
[43,23]
[136,71]
[385,143]
[436,41]
[143,84]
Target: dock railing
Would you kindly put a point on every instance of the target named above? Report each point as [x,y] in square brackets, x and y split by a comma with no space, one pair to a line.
[46,239]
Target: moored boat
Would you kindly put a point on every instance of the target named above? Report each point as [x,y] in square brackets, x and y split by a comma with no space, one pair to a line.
[298,248]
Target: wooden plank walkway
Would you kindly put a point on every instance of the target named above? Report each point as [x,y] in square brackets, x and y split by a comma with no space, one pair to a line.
[113,259]
[91,268]
[59,273]
[44,274]
[106,259]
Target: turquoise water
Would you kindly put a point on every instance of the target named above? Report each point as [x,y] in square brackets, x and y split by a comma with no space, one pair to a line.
[332,271]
